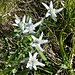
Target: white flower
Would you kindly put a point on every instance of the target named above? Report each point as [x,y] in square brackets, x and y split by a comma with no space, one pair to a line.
[33,62]
[20,23]
[30,27]
[52,11]
[38,41]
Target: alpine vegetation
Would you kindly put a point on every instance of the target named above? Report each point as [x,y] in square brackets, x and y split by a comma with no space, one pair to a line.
[41,43]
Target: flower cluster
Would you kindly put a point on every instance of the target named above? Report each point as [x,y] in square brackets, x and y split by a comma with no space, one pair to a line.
[26,27]
[29,27]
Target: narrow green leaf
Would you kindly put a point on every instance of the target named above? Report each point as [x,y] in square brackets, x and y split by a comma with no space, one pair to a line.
[43,56]
[6,70]
[45,70]
[62,51]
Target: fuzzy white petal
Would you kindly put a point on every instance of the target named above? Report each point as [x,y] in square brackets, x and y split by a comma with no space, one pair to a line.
[14,24]
[41,36]
[51,4]
[34,38]
[58,10]
[39,47]
[41,64]
[22,27]
[38,23]
[53,14]
[23,20]
[34,56]
[45,5]
[32,32]
[27,65]
[35,67]
[33,44]
[30,20]
[30,55]
[47,14]
[17,19]
[25,31]
[43,41]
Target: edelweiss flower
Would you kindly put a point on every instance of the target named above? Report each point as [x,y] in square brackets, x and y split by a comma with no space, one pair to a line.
[30,27]
[37,42]
[20,23]
[52,11]
[33,62]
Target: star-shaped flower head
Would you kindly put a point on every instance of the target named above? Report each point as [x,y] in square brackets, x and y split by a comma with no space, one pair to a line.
[20,23]
[33,62]
[52,11]
[30,27]
[38,41]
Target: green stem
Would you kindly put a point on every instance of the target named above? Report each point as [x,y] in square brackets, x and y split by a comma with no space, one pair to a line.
[43,56]
[71,56]
[45,70]
[62,52]
[34,72]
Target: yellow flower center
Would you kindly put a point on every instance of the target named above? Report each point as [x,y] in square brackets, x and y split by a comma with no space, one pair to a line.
[31,28]
[39,41]
[20,23]
[51,10]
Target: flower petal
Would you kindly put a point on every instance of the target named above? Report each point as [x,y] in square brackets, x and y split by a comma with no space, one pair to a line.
[14,24]
[35,67]
[32,32]
[30,56]
[23,20]
[41,64]
[47,14]
[30,21]
[53,14]
[40,48]
[41,36]
[34,38]
[17,19]
[25,31]
[30,67]
[45,5]
[27,65]
[22,27]
[38,23]
[58,10]
[33,44]
[51,4]
[34,56]
[43,41]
